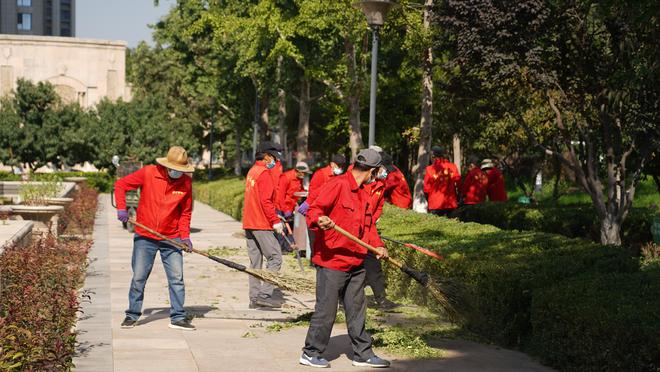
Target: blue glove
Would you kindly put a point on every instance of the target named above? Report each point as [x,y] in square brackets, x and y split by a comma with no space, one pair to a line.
[288,215]
[188,243]
[122,216]
[303,209]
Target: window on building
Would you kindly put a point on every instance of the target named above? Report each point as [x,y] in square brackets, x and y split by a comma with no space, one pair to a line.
[25,3]
[24,21]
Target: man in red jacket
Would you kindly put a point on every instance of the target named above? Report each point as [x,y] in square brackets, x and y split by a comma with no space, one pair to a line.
[496,186]
[260,220]
[320,177]
[475,184]
[440,181]
[165,206]
[397,191]
[340,262]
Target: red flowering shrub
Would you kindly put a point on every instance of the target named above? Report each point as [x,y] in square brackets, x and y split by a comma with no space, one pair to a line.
[38,304]
[78,218]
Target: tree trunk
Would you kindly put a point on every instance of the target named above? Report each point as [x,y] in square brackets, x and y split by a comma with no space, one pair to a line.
[264,115]
[456,143]
[279,136]
[419,199]
[238,154]
[303,119]
[555,188]
[610,230]
[353,99]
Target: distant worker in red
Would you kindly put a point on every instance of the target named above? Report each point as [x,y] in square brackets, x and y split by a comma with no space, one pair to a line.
[320,177]
[440,181]
[340,273]
[165,206]
[397,191]
[290,183]
[278,169]
[475,185]
[496,186]
[260,220]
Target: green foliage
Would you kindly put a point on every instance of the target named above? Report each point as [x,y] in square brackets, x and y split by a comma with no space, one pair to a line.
[573,221]
[36,193]
[225,195]
[39,303]
[606,322]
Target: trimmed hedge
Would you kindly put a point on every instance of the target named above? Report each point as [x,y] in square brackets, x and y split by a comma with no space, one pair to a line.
[514,278]
[225,195]
[573,221]
[600,323]
[100,181]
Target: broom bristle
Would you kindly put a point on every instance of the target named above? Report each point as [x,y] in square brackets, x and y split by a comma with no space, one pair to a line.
[450,297]
[284,281]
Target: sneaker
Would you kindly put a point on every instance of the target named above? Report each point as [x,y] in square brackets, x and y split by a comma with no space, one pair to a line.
[128,323]
[267,302]
[183,324]
[317,362]
[373,362]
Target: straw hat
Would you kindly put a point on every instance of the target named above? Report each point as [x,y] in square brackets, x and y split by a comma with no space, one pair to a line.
[177,159]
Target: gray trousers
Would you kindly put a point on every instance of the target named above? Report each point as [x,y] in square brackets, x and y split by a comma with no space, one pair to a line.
[332,285]
[375,278]
[260,244]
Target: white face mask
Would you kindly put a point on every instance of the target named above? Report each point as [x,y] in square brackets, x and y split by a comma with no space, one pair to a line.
[383,174]
[174,174]
[337,171]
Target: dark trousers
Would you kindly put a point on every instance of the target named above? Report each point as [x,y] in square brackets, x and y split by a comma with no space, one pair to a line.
[441,212]
[331,286]
[375,278]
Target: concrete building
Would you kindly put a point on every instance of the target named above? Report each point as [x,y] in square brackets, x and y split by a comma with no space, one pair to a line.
[82,70]
[38,17]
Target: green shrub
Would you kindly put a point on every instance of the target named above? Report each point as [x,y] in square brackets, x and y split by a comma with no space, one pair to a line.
[225,195]
[502,269]
[605,322]
[101,181]
[574,221]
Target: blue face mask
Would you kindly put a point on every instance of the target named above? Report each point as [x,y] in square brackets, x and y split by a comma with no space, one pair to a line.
[174,174]
[337,171]
[271,165]
[383,174]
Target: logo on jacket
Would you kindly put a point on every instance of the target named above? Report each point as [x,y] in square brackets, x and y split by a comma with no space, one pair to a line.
[178,192]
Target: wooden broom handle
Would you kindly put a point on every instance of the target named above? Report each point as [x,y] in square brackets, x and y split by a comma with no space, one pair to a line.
[369,247]
[171,241]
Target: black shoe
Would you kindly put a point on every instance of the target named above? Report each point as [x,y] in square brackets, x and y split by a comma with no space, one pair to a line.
[373,362]
[385,304]
[128,323]
[266,302]
[183,324]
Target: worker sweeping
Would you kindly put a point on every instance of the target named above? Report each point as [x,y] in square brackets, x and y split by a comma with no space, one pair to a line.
[320,178]
[440,181]
[166,206]
[290,183]
[260,222]
[340,271]
[496,185]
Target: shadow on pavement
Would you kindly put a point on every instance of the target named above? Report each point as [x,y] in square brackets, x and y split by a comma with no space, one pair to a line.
[157,313]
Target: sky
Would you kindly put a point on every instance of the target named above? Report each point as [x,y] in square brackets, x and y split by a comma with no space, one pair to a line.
[126,20]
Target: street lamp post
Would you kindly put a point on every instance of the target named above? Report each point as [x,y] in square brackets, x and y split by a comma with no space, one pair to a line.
[376,12]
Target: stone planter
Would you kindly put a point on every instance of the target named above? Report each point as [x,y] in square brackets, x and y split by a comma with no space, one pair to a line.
[45,217]
[79,181]
[59,201]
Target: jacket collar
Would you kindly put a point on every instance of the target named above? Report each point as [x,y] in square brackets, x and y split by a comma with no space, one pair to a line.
[351,181]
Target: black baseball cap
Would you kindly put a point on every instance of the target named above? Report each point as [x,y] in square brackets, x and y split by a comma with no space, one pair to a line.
[268,147]
[387,161]
[338,159]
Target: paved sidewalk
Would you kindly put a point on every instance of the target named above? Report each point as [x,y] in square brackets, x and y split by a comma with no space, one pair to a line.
[229,336]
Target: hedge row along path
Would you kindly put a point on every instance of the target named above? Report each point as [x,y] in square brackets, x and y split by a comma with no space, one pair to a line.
[229,336]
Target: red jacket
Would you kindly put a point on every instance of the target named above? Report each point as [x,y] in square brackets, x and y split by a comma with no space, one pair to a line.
[289,184]
[440,184]
[474,187]
[165,203]
[376,192]
[319,178]
[346,204]
[496,188]
[397,191]
[259,205]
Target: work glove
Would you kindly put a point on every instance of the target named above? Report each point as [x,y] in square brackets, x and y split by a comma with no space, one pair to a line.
[188,243]
[122,216]
[303,209]
[288,215]
[278,228]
